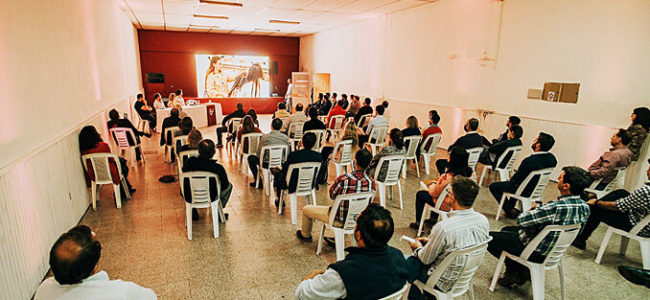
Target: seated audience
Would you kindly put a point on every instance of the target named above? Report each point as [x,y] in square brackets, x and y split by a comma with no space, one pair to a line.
[540,159]
[157,102]
[253,114]
[618,209]
[306,154]
[74,261]
[193,140]
[464,228]
[638,130]
[205,163]
[386,111]
[512,120]
[457,166]
[170,99]
[395,147]
[349,133]
[377,121]
[412,127]
[337,110]
[433,128]
[619,156]
[181,113]
[247,127]
[91,142]
[115,122]
[325,106]
[354,107]
[239,113]
[346,103]
[318,102]
[491,157]
[468,141]
[281,112]
[314,122]
[145,111]
[172,121]
[568,209]
[298,116]
[273,138]
[371,270]
[179,98]
[366,109]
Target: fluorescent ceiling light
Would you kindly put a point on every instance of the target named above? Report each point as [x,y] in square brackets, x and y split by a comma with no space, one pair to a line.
[267,30]
[203,27]
[284,22]
[220,3]
[211,17]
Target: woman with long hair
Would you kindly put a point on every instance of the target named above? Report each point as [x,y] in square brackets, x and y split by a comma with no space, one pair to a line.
[215,80]
[458,158]
[412,127]
[638,130]
[349,133]
[395,146]
[253,114]
[91,142]
[247,126]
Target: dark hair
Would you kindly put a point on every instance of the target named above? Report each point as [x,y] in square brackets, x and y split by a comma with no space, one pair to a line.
[88,138]
[327,96]
[299,107]
[514,120]
[139,96]
[113,114]
[517,131]
[363,158]
[397,138]
[546,141]
[206,149]
[247,124]
[178,92]
[174,112]
[240,106]
[375,226]
[309,140]
[156,96]
[577,178]
[334,95]
[458,158]
[366,101]
[320,96]
[465,190]
[340,103]
[281,105]
[642,117]
[253,114]
[379,109]
[313,113]
[74,255]
[344,96]
[276,124]
[186,125]
[358,98]
[433,115]
[472,124]
[625,136]
[385,104]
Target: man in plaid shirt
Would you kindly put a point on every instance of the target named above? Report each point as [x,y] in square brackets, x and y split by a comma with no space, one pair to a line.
[355,182]
[568,209]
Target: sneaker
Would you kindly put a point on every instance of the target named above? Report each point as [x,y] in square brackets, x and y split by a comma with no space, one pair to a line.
[508,281]
[430,222]
[513,214]
[302,237]
[219,146]
[635,275]
[582,245]
[414,226]
[329,241]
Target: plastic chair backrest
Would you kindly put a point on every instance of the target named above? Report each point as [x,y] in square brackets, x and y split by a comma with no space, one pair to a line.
[233,124]
[250,141]
[184,155]
[343,152]
[432,140]
[514,154]
[199,186]
[357,202]
[412,143]
[364,120]
[319,138]
[379,134]
[397,295]
[474,154]
[101,166]
[307,173]
[178,142]
[170,133]
[336,122]
[394,167]
[544,176]
[121,136]
[565,236]
[640,225]
[471,257]
[618,180]
[442,196]
[277,154]
[295,130]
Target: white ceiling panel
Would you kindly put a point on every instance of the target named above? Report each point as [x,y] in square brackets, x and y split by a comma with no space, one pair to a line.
[361,6]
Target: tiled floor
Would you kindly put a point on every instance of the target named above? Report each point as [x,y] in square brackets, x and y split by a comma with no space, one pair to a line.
[258,256]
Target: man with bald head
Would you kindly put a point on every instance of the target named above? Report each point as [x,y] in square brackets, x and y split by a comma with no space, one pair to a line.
[73,260]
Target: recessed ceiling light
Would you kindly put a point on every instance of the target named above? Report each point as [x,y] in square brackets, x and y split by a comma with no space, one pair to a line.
[221,3]
[211,17]
[284,22]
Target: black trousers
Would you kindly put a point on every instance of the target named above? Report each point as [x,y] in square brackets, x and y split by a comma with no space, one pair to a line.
[151,118]
[612,218]
[508,240]
[498,188]
[220,131]
[442,165]
[422,198]
[254,165]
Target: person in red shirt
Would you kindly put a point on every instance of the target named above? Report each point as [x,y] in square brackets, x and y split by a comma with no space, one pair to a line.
[338,110]
[433,128]
[91,142]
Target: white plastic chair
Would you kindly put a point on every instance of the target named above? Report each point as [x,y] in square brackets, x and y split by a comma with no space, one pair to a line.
[364,121]
[294,132]
[200,196]
[184,155]
[178,142]
[307,173]
[379,135]
[401,294]
[323,119]
[231,128]
[335,125]
[277,154]
[143,125]
[536,195]
[428,208]
[320,135]
[121,137]
[357,203]
[473,257]
[432,140]
[342,157]
[644,242]
[565,236]
[170,133]
[618,181]
[413,144]
[508,170]
[474,155]
[252,140]
[102,172]
[395,163]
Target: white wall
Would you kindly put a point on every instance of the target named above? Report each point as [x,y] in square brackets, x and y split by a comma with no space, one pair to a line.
[63,64]
[430,57]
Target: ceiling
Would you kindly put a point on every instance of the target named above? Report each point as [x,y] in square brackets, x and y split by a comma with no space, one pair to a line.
[254,15]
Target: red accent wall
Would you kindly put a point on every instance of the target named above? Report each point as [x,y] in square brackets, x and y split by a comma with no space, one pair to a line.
[172,53]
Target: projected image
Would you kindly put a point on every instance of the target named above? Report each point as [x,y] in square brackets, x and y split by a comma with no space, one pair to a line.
[220,76]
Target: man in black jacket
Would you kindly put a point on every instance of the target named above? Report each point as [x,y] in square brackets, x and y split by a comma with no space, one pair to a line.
[145,111]
[115,122]
[366,109]
[172,121]
[239,113]
[540,159]
[305,155]
[512,120]
[497,149]
[468,141]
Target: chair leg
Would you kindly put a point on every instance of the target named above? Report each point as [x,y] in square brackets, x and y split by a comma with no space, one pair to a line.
[480,182]
[382,194]
[404,169]
[425,212]
[417,167]
[338,168]
[214,211]
[497,271]
[562,287]
[624,242]
[537,282]
[126,188]
[503,197]
[313,197]
[94,190]
[165,157]
[470,291]
[116,194]
[399,189]
[188,220]
[339,239]
[603,245]
[281,202]
[320,239]
[645,253]
[427,162]
[294,209]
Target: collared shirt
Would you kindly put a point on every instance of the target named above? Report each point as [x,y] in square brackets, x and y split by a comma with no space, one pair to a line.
[97,286]
[463,228]
[281,113]
[566,210]
[275,137]
[355,182]
[378,121]
[328,285]
[616,157]
[296,117]
[637,206]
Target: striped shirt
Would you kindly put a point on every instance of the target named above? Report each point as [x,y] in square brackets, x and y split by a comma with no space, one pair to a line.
[637,207]
[463,228]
